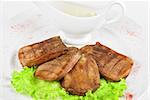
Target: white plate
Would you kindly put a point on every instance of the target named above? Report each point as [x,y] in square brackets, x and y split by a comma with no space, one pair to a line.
[130,44]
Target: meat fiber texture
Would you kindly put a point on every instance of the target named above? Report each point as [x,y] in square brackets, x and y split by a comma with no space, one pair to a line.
[112,65]
[83,77]
[57,68]
[41,52]
[78,70]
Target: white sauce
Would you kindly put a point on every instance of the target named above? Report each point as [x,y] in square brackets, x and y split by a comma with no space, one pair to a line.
[75,9]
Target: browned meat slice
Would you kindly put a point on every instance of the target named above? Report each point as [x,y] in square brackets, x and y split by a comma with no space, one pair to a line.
[59,67]
[83,77]
[112,65]
[41,52]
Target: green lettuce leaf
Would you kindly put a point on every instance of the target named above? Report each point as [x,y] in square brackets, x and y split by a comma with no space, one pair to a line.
[25,83]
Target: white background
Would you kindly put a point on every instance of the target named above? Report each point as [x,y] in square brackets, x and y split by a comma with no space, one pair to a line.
[138,11]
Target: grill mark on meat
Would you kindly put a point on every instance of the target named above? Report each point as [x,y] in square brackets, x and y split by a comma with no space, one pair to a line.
[99,59]
[94,71]
[37,49]
[112,56]
[119,60]
[111,64]
[53,54]
[126,68]
[114,67]
[108,66]
[72,61]
[42,44]
[107,60]
[109,49]
[115,72]
[104,60]
[103,56]
[83,77]
[96,53]
[41,52]
[59,67]
[96,48]
[108,75]
[46,44]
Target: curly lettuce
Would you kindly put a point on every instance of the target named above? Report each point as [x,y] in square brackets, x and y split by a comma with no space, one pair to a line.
[25,83]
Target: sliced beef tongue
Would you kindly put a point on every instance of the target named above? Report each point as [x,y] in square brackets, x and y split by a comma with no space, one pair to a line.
[41,52]
[83,77]
[58,67]
[112,65]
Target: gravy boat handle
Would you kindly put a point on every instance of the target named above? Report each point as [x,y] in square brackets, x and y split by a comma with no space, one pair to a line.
[109,6]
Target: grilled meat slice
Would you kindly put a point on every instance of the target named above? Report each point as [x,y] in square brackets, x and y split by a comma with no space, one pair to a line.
[41,52]
[59,67]
[112,65]
[83,77]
